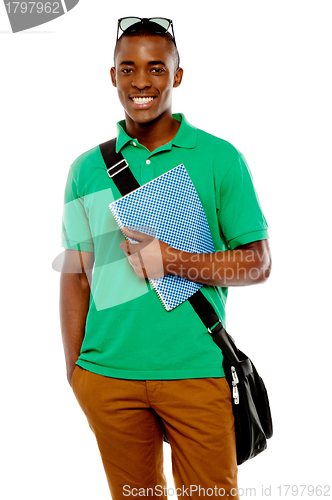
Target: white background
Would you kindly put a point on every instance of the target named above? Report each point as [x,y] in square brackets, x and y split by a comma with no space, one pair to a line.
[257,74]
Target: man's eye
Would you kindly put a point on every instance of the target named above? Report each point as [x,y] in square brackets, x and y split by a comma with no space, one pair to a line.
[158,70]
[126,70]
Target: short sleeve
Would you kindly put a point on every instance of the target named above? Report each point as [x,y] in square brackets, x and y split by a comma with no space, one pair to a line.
[76,233]
[240,215]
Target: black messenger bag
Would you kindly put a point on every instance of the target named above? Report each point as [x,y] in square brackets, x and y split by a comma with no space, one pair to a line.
[251,409]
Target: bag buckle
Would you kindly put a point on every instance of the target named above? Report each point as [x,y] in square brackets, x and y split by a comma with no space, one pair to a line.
[216,326]
[235,382]
[121,165]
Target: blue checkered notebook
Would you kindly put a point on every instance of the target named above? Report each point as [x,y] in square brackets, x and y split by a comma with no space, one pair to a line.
[168,208]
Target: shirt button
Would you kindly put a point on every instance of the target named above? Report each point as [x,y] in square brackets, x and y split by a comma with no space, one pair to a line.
[148,162]
[134,144]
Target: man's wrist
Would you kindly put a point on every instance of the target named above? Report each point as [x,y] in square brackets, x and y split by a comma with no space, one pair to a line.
[182,263]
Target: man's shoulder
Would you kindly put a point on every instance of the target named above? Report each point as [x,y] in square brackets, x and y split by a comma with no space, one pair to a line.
[216,145]
[217,149]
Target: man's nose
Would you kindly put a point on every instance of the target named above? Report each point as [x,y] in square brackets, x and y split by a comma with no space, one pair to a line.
[141,80]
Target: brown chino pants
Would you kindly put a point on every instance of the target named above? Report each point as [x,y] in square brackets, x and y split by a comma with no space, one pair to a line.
[127,418]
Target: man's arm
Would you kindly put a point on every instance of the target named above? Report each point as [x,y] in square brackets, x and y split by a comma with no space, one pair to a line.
[152,258]
[246,265]
[75,283]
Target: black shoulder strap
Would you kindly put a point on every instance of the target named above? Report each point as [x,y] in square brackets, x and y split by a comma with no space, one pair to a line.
[118,170]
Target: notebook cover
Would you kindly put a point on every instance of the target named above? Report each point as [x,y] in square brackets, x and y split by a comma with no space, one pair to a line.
[168,207]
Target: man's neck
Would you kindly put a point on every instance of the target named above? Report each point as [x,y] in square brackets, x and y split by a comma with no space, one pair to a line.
[154,134]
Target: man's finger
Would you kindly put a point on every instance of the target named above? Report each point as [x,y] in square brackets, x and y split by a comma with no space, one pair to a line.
[141,262]
[134,234]
[137,235]
[130,262]
[137,247]
[138,267]
[124,246]
[130,248]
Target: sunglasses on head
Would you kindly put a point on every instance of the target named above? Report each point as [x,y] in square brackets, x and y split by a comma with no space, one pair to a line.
[158,25]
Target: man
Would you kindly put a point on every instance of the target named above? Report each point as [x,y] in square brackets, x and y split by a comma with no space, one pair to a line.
[135,368]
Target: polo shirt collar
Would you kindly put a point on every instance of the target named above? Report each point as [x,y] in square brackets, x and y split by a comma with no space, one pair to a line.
[185,137]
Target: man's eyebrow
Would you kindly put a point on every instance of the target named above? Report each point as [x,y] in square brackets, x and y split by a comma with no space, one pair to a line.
[152,63]
[157,62]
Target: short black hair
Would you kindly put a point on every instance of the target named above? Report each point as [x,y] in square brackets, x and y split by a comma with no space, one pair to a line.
[146,32]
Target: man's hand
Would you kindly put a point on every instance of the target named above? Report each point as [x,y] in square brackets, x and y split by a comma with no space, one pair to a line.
[148,257]
[76,274]
[70,372]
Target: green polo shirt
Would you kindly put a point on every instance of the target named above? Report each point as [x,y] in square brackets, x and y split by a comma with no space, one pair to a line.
[129,334]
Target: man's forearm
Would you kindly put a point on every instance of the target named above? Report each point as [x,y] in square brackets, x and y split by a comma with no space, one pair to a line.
[246,265]
[74,306]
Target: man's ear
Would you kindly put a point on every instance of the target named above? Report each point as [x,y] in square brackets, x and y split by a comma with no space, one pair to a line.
[113,77]
[178,77]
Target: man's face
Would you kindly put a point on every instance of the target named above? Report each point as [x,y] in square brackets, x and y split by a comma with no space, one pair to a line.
[144,76]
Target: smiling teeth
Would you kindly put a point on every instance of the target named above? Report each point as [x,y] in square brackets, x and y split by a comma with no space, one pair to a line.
[142,100]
